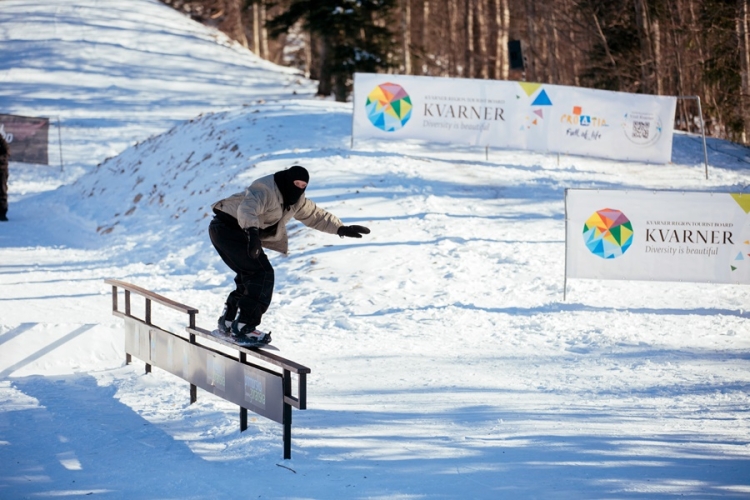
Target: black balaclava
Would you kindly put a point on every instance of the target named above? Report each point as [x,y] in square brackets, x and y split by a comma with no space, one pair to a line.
[285,182]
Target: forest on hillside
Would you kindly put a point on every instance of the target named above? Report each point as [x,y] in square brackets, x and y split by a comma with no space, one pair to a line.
[661,47]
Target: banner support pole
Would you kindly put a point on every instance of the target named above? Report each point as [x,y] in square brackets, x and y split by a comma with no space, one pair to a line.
[565,278]
[59,142]
[703,132]
[703,128]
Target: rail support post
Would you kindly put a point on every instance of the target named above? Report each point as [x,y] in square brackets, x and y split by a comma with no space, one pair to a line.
[287,384]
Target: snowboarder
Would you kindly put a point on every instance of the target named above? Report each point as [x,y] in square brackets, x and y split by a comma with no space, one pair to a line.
[246,223]
[4,155]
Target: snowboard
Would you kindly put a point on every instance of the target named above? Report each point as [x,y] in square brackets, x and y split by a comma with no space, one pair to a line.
[228,337]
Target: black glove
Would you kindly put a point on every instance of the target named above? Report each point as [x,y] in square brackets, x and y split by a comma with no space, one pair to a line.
[254,248]
[352,231]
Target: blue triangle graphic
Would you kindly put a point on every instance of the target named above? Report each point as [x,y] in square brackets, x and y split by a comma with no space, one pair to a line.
[739,257]
[599,248]
[542,99]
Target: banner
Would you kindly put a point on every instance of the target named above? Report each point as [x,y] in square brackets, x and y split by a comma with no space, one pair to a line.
[658,236]
[27,138]
[518,115]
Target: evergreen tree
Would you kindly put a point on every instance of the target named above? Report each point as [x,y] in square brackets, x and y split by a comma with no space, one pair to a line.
[614,54]
[351,35]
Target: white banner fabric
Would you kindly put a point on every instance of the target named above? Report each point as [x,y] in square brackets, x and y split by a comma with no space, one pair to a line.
[517,115]
[658,236]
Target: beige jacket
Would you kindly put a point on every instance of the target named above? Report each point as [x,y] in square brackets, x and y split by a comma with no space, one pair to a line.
[261,205]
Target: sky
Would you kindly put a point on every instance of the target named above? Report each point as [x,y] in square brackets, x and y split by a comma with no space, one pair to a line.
[445,362]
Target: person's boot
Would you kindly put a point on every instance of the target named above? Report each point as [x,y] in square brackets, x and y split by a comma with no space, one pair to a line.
[244,333]
[225,322]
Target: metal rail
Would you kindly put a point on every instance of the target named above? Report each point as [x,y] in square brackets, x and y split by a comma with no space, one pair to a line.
[265,390]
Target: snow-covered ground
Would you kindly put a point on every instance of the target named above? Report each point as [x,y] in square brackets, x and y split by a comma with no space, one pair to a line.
[445,362]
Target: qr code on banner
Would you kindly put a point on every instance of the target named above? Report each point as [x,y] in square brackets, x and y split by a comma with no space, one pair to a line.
[641,129]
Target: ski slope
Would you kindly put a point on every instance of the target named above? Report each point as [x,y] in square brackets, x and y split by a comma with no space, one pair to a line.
[445,362]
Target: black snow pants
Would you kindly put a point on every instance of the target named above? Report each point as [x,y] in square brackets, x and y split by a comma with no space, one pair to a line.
[254,277]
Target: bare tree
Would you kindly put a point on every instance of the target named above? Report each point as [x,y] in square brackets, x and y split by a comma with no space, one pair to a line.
[256,30]
[744,46]
[483,70]
[406,34]
[263,31]
[453,49]
[530,53]
[423,70]
[553,43]
[648,34]
[502,22]
[469,40]
[231,23]
[657,61]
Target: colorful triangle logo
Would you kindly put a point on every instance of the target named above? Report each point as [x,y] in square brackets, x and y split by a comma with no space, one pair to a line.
[743,200]
[529,88]
[542,99]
